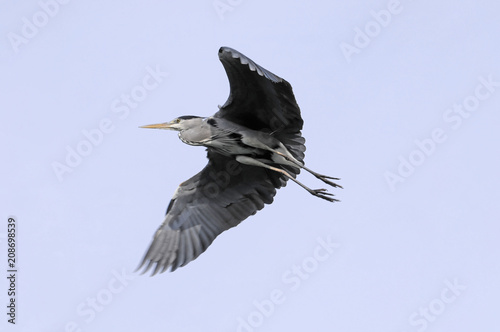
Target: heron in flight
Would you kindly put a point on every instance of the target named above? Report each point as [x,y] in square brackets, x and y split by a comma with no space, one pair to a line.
[254,146]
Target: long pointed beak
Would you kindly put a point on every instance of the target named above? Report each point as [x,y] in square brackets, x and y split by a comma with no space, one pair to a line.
[165,125]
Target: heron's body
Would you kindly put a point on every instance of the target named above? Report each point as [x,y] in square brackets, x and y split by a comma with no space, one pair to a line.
[254,147]
[231,139]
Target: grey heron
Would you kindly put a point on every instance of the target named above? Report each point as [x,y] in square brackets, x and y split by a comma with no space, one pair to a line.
[254,146]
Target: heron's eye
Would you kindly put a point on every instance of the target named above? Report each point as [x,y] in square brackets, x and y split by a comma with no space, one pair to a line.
[177,120]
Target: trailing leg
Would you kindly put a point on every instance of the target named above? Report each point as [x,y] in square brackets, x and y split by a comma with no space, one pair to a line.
[321,193]
[283,152]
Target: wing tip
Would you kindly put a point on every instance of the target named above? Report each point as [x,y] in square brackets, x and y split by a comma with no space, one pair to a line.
[157,267]
[252,66]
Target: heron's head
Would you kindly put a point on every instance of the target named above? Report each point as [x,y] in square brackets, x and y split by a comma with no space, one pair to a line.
[181,123]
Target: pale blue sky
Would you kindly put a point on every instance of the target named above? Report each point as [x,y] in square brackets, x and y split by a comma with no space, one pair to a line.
[400,99]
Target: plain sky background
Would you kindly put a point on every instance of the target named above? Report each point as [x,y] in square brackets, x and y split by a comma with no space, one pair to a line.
[420,252]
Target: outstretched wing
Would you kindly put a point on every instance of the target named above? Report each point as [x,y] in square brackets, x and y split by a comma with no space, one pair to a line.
[219,197]
[261,100]
[258,98]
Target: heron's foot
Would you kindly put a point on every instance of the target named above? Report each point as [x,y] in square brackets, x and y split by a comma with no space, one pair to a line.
[326,179]
[322,193]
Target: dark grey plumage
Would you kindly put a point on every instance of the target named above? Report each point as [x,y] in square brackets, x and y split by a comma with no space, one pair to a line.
[254,145]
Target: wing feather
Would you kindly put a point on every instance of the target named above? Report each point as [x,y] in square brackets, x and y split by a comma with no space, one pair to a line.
[196,218]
